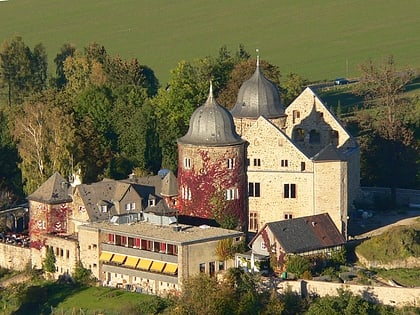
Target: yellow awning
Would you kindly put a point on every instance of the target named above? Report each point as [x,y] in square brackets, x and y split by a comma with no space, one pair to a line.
[144,264]
[170,268]
[118,258]
[157,266]
[105,256]
[131,262]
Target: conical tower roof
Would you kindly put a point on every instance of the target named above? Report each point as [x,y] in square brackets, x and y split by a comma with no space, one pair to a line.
[257,97]
[211,125]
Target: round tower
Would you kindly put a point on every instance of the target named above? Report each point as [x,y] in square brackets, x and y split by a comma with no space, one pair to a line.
[257,97]
[211,167]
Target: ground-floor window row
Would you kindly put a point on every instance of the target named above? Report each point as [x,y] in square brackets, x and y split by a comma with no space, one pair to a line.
[143,244]
[138,284]
[139,263]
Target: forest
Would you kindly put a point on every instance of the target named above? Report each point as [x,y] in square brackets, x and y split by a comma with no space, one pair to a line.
[107,117]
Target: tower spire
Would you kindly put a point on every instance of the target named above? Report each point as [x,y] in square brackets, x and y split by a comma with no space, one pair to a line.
[258,57]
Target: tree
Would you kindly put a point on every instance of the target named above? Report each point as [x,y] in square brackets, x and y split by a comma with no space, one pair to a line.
[345,303]
[17,66]
[67,50]
[387,139]
[44,132]
[291,87]
[10,175]
[82,275]
[297,264]
[49,262]
[203,294]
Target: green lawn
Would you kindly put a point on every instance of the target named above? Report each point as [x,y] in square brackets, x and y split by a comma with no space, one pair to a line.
[318,40]
[53,298]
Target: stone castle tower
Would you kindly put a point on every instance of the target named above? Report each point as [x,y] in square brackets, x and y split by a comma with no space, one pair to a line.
[211,167]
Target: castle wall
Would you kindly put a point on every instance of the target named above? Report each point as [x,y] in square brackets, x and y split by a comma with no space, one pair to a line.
[14,257]
[385,295]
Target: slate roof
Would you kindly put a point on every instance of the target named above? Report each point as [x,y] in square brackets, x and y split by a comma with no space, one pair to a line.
[305,234]
[257,97]
[211,125]
[328,153]
[104,192]
[169,185]
[54,190]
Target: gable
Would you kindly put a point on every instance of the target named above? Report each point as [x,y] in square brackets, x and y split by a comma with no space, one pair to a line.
[265,139]
[308,112]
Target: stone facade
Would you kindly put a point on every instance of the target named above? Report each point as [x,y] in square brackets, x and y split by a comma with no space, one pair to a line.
[303,165]
[386,295]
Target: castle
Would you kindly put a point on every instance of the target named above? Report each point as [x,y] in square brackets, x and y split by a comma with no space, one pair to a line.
[266,163]
[256,164]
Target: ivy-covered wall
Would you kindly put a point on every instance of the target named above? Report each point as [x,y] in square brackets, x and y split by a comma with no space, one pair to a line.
[203,186]
[47,219]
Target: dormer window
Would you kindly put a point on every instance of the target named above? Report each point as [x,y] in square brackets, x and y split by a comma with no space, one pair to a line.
[152,202]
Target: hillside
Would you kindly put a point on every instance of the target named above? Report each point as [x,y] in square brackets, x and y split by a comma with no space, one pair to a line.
[398,246]
[316,40]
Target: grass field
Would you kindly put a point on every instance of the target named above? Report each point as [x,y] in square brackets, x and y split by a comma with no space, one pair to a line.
[316,39]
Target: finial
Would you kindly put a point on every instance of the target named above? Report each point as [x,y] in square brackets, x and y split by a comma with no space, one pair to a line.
[258,57]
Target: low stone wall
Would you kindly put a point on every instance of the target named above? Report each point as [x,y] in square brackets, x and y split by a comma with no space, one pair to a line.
[384,295]
[14,257]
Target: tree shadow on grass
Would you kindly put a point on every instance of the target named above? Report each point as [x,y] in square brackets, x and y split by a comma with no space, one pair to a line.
[40,298]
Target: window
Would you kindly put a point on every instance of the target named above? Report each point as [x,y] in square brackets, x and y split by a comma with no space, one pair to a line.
[202,267]
[133,205]
[111,238]
[299,135]
[221,265]
[302,166]
[151,202]
[284,163]
[104,208]
[334,137]
[257,162]
[67,254]
[263,247]
[230,164]
[232,194]
[289,191]
[127,206]
[288,216]
[212,268]
[187,163]
[296,115]
[185,193]
[254,190]
[248,163]
[253,221]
